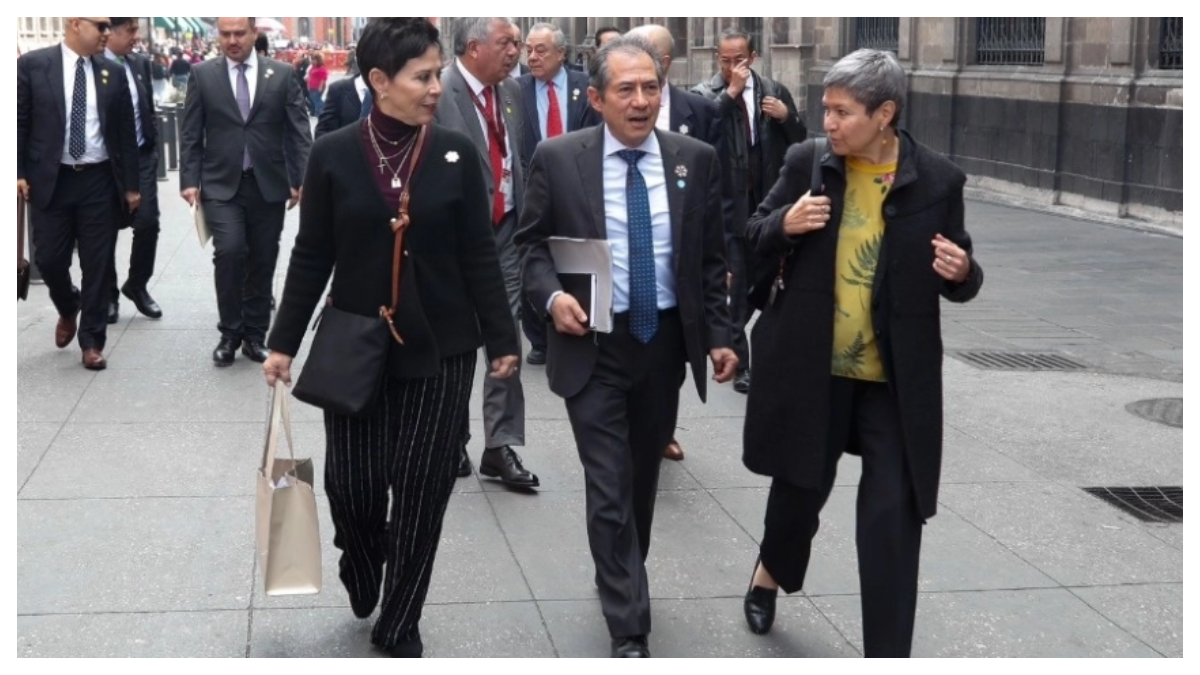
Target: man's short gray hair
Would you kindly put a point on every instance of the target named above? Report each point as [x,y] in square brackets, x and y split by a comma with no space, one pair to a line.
[872,77]
[632,45]
[556,34]
[476,28]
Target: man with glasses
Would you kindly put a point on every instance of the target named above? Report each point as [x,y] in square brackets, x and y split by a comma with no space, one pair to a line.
[483,102]
[77,167]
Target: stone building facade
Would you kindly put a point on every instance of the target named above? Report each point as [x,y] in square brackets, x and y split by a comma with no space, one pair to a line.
[1078,112]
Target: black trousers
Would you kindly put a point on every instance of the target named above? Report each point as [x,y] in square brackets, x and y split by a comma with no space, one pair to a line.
[622,420]
[408,448]
[82,213]
[888,529]
[145,226]
[245,233]
[740,311]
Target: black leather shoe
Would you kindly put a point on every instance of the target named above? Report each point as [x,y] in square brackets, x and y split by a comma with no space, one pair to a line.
[759,606]
[505,464]
[741,383]
[409,647]
[114,312]
[142,300]
[636,647]
[255,351]
[536,357]
[225,352]
[464,464]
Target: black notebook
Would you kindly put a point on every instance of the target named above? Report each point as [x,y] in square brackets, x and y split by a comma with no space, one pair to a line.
[582,287]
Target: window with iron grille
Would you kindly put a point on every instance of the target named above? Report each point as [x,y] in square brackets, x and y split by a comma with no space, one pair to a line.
[1170,43]
[1010,41]
[882,33]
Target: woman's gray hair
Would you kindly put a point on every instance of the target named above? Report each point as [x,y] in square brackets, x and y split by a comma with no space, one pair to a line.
[556,34]
[632,45]
[476,28]
[872,77]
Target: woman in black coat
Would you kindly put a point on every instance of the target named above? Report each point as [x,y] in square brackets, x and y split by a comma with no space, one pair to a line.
[851,346]
[453,302]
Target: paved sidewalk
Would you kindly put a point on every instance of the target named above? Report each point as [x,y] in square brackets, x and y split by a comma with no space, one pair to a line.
[135,488]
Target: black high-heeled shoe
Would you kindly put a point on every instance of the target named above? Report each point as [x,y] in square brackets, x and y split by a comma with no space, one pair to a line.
[759,605]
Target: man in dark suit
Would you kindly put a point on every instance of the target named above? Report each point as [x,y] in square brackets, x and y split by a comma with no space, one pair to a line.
[347,101]
[76,157]
[518,68]
[760,122]
[656,197]
[692,115]
[480,100]
[554,101]
[244,146]
[145,223]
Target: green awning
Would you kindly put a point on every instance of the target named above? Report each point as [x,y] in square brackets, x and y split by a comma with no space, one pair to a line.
[185,24]
[166,23]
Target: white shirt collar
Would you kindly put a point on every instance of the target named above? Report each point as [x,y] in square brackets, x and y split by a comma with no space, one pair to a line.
[477,87]
[666,95]
[251,62]
[71,57]
[612,145]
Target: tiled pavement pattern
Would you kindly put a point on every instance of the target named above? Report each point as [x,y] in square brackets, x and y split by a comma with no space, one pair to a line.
[135,489]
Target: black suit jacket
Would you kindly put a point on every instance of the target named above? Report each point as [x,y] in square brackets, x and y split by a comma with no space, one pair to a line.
[459,291]
[343,107]
[695,116]
[144,76]
[565,198]
[42,121]
[580,114]
[213,134]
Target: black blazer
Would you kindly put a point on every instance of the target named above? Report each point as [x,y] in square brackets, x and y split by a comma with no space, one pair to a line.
[143,75]
[565,198]
[580,114]
[42,121]
[345,229]
[342,106]
[213,135]
[788,410]
[695,116]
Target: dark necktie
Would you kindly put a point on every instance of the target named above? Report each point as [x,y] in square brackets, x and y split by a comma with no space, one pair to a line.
[643,286]
[741,102]
[554,124]
[243,102]
[368,99]
[495,154]
[78,142]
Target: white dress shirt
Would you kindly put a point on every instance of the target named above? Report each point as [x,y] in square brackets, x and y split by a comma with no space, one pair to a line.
[748,97]
[360,85]
[542,91]
[664,111]
[133,91]
[95,150]
[506,185]
[251,74]
[616,219]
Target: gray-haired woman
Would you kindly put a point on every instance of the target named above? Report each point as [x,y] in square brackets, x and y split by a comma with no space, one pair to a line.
[851,344]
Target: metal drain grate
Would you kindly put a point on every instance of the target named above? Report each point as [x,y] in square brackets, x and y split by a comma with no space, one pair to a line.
[1018,361]
[1149,504]
[1167,411]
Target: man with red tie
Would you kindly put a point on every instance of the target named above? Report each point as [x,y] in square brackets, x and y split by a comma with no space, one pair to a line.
[554,100]
[482,101]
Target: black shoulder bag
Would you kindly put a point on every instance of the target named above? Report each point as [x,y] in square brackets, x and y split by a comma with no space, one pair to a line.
[349,354]
[767,279]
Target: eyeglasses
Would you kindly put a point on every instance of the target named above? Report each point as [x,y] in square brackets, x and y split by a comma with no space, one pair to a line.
[102,26]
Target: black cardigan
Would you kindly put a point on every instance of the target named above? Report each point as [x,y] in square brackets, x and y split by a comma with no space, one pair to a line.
[345,229]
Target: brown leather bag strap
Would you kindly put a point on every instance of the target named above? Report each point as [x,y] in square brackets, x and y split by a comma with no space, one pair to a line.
[399,225]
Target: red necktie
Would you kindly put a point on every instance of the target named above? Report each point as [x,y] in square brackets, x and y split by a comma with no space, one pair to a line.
[496,155]
[554,125]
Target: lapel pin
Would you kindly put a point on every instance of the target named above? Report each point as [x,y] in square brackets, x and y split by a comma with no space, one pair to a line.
[575,95]
[682,184]
[452,157]
[681,171]
[683,129]
[269,73]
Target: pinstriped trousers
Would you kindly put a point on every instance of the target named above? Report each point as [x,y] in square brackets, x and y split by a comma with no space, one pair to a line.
[409,447]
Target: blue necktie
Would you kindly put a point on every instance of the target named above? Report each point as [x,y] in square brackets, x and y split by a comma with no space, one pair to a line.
[77,145]
[366,104]
[643,286]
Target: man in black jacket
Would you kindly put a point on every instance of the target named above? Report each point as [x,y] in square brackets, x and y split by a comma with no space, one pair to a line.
[76,158]
[145,223]
[760,122]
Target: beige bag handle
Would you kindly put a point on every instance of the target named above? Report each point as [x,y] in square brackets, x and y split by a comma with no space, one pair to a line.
[281,416]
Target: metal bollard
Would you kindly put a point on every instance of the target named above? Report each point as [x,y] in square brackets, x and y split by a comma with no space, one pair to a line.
[162,146]
[172,134]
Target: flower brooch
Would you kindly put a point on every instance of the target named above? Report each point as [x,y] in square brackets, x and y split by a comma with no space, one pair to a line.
[452,157]
[682,172]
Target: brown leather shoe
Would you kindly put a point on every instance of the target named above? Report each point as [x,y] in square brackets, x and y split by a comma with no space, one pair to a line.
[94,360]
[65,331]
[674,451]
